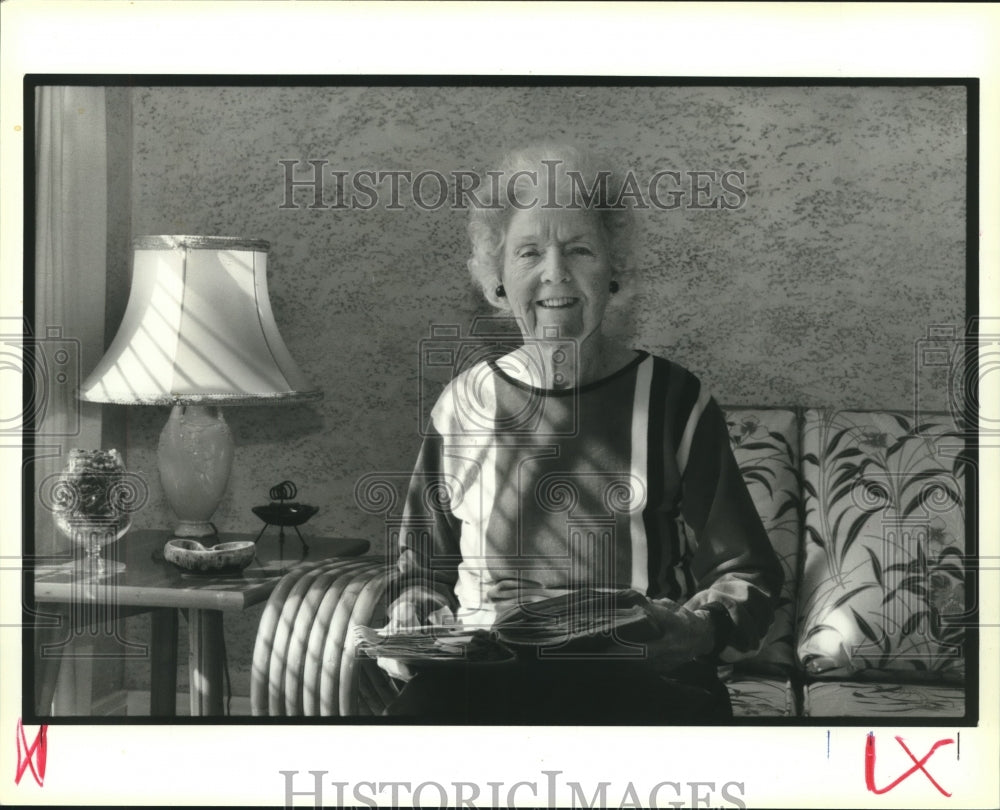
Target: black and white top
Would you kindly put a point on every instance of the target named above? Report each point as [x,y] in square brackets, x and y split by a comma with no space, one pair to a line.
[628,481]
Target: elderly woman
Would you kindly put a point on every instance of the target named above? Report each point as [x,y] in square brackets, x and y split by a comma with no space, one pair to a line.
[573,462]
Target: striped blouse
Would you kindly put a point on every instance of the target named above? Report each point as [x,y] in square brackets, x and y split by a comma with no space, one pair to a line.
[628,481]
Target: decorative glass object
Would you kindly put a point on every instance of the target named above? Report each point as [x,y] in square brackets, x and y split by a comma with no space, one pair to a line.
[93,499]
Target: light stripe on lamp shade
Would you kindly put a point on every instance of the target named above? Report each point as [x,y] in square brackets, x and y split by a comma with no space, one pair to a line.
[198,328]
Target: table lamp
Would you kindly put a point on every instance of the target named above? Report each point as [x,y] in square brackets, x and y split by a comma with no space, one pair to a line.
[198,333]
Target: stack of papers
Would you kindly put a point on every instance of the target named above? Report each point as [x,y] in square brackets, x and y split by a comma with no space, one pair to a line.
[587,620]
[432,645]
[586,615]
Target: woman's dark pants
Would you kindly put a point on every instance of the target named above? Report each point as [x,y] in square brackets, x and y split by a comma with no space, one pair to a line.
[589,691]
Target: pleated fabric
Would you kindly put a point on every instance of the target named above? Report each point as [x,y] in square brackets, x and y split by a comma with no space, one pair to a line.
[303,661]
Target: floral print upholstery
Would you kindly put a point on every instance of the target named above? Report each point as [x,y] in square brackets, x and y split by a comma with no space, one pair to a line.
[884,540]
[759,696]
[845,699]
[765,443]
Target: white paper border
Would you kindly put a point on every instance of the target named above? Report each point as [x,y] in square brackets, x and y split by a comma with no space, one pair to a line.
[238,765]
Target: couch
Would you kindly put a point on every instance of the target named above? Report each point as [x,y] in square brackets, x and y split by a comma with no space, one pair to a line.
[866,510]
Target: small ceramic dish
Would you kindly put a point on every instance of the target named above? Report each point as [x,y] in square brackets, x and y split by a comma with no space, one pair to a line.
[222,558]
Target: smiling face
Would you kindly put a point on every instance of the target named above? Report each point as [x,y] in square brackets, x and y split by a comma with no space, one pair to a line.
[556,272]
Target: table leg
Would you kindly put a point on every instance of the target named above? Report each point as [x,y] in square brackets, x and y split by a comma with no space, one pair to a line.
[205,661]
[163,663]
[65,635]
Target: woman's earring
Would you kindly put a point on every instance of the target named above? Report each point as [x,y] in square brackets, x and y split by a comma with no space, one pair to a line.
[500,291]
[613,286]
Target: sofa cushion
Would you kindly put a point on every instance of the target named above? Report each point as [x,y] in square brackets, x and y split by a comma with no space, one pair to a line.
[854,699]
[883,547]
[765,443]
[761,696]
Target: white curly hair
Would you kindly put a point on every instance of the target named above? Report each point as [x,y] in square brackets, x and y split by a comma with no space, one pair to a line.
[573,173]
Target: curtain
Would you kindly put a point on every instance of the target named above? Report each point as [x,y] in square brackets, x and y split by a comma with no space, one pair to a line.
[71,194]
[71,187]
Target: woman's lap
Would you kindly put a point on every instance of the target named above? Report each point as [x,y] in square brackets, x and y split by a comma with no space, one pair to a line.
[579,692]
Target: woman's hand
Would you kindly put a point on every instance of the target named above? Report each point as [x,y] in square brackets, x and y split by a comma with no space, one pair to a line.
[686,634]
[415,608]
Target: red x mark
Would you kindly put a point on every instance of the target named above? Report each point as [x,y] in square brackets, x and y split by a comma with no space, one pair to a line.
[27,757]
[918,765]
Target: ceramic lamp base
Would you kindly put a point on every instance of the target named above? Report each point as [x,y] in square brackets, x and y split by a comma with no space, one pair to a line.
[195,459]
[194,528]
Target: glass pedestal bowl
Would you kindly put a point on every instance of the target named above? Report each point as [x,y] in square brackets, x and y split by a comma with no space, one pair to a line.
[92,501]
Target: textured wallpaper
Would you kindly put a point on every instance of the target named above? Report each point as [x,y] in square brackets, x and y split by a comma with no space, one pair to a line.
[847,244]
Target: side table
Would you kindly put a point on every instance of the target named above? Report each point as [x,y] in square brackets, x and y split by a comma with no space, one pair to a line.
[149,583]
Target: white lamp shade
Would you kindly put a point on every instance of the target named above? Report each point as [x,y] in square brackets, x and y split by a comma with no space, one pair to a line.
[198,329]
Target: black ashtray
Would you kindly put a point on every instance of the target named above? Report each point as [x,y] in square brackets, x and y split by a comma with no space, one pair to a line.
[285,514]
